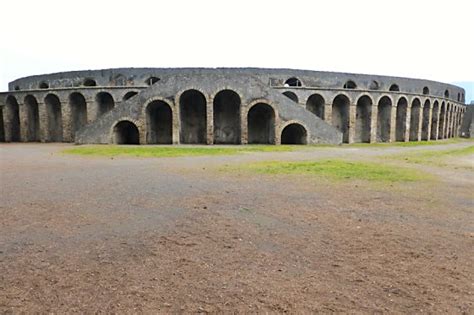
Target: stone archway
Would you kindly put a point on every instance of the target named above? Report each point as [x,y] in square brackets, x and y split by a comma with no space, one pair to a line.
[294,133]
[105,103]
[193,116]
[12,120]
[415,119]
[340,115]
[54,118]
[384,113]
[78,108]
[363,119]
[315,104]
[126,132]
[226,111]
[261,124]
[434,120]
[401,119]
[32,117]
[159,123]
[425,125]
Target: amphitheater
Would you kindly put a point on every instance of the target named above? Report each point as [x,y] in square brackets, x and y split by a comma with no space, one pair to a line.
[227,106]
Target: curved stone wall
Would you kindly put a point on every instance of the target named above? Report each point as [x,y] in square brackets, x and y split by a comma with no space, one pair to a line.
[227,106]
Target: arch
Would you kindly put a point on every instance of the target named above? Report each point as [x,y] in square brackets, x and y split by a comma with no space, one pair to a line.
[425,123]
[32,118]
[442,121]
[151,80]
[434,120]
[293,81]
[54,118]
[89,82]
[226,111]
[44,85]
[126,132]
[426,90]
[447,119]
[193,117]
[384,112]
[105,103]
[292,96]
[415,119]
[159,123]
[350,85]
[78,109]
[294,133]
[394,88]
[340,115]
[129,95]
[261,124]
[374,85]
[17,88]
[401,119]
[315,104]
[363,119]
[12,116]
[446,93]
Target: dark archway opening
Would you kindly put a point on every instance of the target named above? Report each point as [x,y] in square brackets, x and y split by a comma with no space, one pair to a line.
[384,119]
[226,117]
[159,122]
[425,125]
[32,118]
[340,115]
[78,107]
[374,85]
[294,134]
[434,120]
[363,119]
[426,90]
[293,82]
[43,85]
[129,95]
[54,118]
[105,103]
[401,123]
[261,124]
[446,93]
[292,96]
[126,132]
[193,116]
[394,88]
[13,119]
[350,85]
[315,104]
[415,119]
[89,82]
[152,80]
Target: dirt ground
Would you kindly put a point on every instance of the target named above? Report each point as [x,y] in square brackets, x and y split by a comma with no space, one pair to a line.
[179,235]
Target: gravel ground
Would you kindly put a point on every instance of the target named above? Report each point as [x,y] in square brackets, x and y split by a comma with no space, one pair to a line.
[178,235]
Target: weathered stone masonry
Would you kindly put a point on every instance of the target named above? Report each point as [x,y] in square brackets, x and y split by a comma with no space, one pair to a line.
[227,106]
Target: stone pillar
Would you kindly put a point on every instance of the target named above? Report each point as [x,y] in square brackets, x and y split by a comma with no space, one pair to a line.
[176,124]
[24,123]
[352,122]
[210,122]
[43,118]
[243,126]
[328,113]
[407,124]
[373,123]
[393,123]
[430,120]
[68,133]
[2,125]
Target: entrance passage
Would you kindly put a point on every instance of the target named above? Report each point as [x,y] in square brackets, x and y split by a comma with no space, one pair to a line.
[363,119]
[159,122]
[54,118]
[340,115]
[261,124]
[126,132]
[192,112]
[401,123]
[383,119]
[294,134]
[32,119]
[226,110]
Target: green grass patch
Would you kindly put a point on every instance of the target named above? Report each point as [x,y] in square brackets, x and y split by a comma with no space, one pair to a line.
[410,143]
[339,170]
[174,151]
[437,157]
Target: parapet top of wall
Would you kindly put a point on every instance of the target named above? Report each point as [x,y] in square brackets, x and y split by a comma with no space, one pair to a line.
[274,77]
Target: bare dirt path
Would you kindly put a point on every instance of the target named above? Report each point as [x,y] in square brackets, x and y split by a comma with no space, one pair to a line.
[82,234]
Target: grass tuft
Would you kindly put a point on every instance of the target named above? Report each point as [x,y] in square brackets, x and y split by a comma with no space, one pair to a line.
[173,151]
[339,170]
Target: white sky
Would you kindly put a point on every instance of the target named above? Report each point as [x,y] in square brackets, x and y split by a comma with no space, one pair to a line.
[412,38]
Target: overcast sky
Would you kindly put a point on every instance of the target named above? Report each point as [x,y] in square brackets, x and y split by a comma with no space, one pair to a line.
[411,38]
